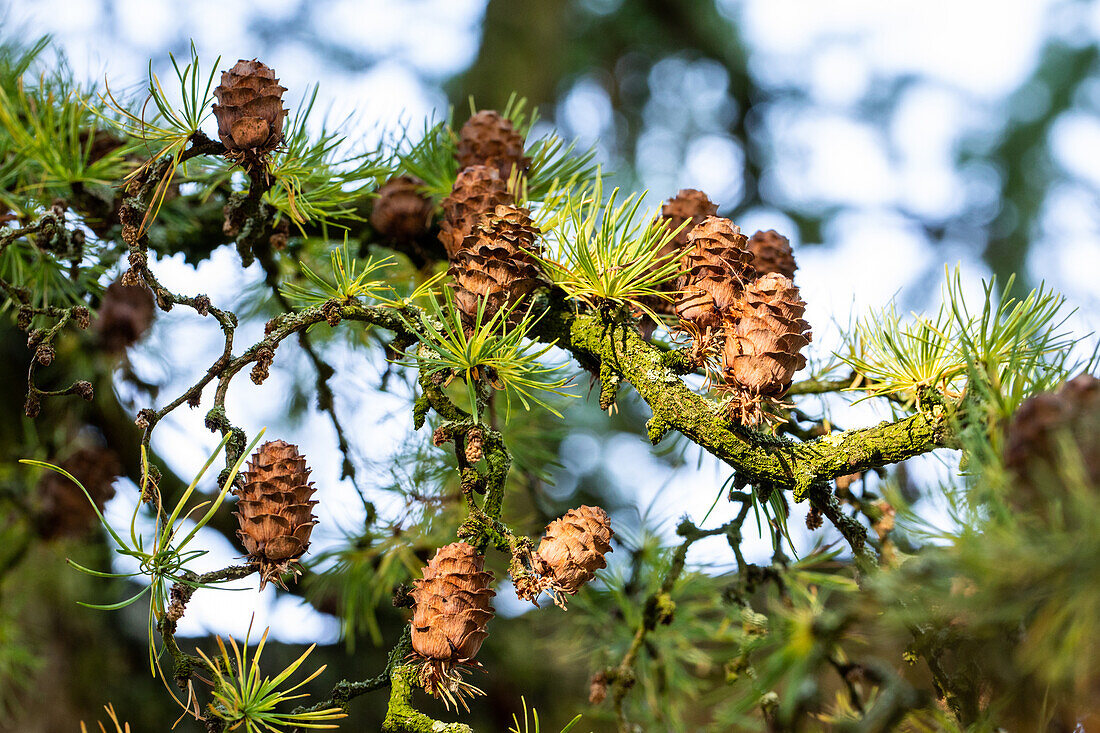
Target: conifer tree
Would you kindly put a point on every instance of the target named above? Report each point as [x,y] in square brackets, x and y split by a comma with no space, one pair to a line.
[501,278]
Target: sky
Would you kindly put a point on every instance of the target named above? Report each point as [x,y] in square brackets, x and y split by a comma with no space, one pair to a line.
[968,54]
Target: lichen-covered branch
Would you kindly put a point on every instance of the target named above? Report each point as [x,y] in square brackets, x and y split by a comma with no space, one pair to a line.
[605,341]
[345,691]
[823,386]
[180,594]
[611,340]
[402,717]
[48,232]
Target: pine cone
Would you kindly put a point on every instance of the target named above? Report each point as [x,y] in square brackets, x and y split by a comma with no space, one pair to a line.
[275,509]
[488,138]
[402,213]
[63,509]
[250,110]
[453,605]
[496,264]
[764,342]
[125,313]
[100,214]
[475,445]
[690,206]
[102,143]
[771,252]
[1037,433]
[280,235]
[570,553]
[478,189]
[716,268]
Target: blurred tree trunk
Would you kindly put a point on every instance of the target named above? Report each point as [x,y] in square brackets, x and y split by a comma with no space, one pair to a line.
[524,48]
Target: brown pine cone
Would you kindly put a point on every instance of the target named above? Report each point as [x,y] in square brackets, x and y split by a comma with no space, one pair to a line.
[1040,429]
[690,206]
[63,510]
[280,235]
[597,688]
[250,110]
[475,445]
[570,553]
[496,264]
[764,342]
[275,509]
[716,269]
[401,213]
[453,606]
[477,190]
[125,313]
[488,138]
[771,252]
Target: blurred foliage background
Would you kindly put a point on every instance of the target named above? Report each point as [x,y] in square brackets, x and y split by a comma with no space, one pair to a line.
[884,141]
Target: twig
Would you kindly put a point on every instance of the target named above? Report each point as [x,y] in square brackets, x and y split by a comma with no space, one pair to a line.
[659,607]
[326,400]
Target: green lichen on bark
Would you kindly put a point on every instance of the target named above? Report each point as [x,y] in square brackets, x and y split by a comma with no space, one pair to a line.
[767,462]
[402,717]
[498,461]
[609,386]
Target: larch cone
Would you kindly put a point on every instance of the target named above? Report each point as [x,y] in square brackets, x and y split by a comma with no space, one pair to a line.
[716,267]
[571,551]
[489,138]
[477,190]
[1040,432]
[275,509]
[764,338]
[496,266]
[453,606]
[62,508]
[682,212]
[249,111]
[772,252]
